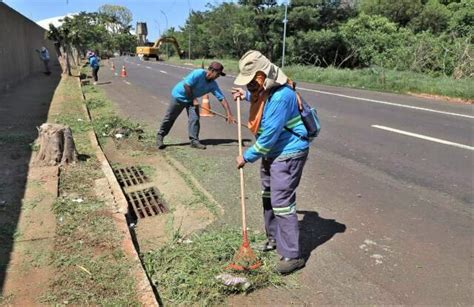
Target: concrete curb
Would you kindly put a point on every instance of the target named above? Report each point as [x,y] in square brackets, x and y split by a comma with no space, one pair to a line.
[144,289]
[180,167]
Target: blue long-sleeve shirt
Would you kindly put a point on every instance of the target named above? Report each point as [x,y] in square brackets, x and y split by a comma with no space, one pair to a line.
[94,61]
[273,140]
[199,87]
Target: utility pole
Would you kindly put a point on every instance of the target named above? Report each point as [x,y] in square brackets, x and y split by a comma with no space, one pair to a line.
[166,17]
[285,21]
[159,28]
[189,38]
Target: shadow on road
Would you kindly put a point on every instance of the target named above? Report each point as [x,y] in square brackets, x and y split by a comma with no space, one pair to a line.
[315,231]
[222,141]
[24,107]
[210,142]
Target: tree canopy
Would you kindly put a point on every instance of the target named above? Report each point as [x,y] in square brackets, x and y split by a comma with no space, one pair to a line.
[429,36]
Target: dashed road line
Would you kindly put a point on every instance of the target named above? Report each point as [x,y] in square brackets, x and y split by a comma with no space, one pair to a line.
[127,82]
[148,67]
[424,137]
[164,72]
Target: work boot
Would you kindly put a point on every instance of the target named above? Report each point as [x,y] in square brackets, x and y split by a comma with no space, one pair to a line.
[289,265]
[159,141]
[270,245]
[197,145]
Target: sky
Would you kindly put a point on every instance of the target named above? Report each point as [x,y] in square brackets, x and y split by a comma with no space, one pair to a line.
[149,11]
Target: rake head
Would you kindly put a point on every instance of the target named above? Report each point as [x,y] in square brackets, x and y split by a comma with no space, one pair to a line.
[244,259]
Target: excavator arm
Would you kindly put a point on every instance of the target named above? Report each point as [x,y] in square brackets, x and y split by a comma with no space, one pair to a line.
[172,40]
[153,51]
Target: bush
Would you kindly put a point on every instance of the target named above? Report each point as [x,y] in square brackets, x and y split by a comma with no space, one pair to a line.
[374,40]
[320,48]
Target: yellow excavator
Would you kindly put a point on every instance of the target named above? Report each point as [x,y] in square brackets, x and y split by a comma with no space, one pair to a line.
[153,51]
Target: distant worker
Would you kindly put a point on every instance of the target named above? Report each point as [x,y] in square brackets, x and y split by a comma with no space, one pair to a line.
[273,113]
[196,84]
[94,60]
[44,56]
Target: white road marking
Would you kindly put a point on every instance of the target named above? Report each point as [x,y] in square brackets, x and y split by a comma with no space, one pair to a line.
[162,71]
[387,103]
[154,97]
[148,67]
[424,137]
[127,82]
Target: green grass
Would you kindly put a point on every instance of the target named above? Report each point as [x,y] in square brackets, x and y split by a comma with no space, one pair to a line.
[185,271]
[369,78]
[91,268]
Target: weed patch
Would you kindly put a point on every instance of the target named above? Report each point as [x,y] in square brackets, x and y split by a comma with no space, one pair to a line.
[185,271]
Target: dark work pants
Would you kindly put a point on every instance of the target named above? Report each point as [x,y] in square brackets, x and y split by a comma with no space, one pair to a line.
[175,108]
[46,66]
[279,182]
[94,73]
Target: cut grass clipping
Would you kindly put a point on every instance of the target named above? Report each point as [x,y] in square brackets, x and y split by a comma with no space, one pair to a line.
[186,271]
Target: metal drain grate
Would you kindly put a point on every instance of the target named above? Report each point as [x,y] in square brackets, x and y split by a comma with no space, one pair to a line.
[130,176]
[146,203]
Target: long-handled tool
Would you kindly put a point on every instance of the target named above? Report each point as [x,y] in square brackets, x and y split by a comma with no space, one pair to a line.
[219,114]
[244,258]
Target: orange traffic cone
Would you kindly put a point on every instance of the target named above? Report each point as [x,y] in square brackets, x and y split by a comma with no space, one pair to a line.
[123,73]
[113,66]
[205,107]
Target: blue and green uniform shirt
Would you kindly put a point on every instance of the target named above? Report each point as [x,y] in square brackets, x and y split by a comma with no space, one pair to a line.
[199,87]
[273,140]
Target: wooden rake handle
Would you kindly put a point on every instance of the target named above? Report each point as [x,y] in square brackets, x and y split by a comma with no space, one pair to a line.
[241,170]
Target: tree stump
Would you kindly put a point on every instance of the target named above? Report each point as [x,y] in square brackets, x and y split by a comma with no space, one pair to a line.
[56,145]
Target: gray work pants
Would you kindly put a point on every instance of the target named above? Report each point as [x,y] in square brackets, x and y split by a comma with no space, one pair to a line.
[279,182]
[175,108]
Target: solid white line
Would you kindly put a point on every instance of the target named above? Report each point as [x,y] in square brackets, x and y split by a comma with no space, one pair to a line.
[424,137]
[162,71]
[387,103]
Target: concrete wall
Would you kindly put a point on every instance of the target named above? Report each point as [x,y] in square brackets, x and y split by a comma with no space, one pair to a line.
[19,37]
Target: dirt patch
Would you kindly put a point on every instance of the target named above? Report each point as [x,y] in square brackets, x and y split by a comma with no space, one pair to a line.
[29,269]
[188,209]
[443,98]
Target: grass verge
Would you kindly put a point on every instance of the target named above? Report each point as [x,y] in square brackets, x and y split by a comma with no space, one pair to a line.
[90,265]
[368,78]
[185,271]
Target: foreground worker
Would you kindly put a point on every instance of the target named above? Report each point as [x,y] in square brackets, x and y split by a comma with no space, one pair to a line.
[273,112]
[198,83]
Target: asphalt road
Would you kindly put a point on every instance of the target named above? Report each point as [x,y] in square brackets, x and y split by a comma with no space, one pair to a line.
[386,198]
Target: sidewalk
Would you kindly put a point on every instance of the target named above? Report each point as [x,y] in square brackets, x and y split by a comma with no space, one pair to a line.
[26,193]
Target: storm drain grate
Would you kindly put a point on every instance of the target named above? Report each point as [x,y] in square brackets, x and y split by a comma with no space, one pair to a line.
[146,203]
[130,176]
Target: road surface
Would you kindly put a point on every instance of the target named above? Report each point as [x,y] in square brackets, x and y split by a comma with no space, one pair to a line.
[385,203]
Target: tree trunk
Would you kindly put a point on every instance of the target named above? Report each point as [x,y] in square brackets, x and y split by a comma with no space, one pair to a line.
[68,63]
[56,145]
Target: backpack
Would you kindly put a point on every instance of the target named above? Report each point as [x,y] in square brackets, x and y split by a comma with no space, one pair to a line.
[310,119]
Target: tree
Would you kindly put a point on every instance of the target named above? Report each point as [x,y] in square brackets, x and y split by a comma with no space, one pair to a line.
[118,18]
[401,11]
[462,20]
[434,18]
